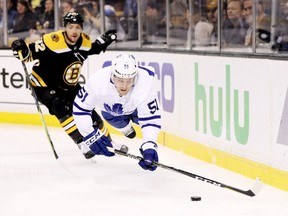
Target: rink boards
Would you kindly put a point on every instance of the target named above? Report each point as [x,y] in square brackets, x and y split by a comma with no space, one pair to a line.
[232,112]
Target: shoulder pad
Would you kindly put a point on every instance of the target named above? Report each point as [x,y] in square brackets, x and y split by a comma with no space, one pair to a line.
[86,42]
[86,36]
[55,41]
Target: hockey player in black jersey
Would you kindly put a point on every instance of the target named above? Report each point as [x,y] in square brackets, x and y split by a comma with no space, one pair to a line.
[60,56]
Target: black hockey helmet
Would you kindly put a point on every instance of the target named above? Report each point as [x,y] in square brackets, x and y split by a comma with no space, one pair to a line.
[73,17]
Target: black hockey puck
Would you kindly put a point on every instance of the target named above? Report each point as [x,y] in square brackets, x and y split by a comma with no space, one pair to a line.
[195,198]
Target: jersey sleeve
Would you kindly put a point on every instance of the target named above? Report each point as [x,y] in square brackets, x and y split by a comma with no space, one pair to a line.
[149,110]
[149,113]
[96,48]
[83,105]
[37,50]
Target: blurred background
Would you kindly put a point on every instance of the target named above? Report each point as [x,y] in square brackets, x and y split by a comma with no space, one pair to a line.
[233,26]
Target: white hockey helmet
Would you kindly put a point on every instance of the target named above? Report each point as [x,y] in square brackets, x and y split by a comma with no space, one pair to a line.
[124,66]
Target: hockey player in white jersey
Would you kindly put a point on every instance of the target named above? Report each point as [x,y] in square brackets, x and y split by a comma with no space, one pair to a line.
[124,93]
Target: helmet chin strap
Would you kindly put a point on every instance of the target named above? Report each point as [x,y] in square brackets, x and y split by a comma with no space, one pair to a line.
[135,80]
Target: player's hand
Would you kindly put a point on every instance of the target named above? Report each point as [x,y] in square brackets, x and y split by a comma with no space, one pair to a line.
[149,153]
[19,45]
[98,143]
[106,39]
[109,36]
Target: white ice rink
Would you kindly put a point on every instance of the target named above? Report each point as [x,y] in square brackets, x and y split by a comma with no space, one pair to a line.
[33,183]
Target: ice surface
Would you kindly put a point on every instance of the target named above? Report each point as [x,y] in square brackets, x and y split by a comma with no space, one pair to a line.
[33,183]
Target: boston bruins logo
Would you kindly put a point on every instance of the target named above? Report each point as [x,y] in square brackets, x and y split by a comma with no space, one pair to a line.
[55,37]
[72,73]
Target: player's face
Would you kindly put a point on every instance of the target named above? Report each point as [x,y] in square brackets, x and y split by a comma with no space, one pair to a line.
[73,32]
[123,85]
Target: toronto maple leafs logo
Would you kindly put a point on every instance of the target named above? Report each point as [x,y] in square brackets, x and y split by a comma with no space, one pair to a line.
[117,109]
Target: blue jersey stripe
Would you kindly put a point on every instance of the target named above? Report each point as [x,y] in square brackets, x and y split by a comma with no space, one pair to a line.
[151,73]
[151,125]
[81,113]
[150,118]
[80,108]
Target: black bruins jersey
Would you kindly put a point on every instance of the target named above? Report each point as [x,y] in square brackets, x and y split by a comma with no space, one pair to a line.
[58,64]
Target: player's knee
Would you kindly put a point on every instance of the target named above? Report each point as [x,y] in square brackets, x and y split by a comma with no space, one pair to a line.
[60,107]
[97,120]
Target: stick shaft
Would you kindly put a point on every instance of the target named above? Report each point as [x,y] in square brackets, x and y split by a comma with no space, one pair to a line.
[250,193]
[38,106]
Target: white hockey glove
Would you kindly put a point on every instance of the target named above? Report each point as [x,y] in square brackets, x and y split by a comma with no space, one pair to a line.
[98,143]
[149,153]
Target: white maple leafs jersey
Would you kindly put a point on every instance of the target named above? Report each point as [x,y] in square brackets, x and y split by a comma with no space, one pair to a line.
[100,92]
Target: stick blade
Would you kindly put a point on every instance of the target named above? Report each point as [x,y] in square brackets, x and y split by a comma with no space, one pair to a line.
[257,187]
[251,192]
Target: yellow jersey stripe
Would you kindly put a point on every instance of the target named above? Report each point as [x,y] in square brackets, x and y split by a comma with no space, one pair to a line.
[37,80]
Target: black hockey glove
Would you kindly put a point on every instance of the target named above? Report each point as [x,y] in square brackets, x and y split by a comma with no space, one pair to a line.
[20,45]
[106,39]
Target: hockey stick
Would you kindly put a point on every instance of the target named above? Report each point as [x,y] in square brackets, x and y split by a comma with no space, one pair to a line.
[37,105]
[251,192]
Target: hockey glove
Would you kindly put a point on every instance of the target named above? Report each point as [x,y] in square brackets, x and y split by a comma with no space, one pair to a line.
[106,39]
[20,45]
[149,153]
[264,35]
[98,143]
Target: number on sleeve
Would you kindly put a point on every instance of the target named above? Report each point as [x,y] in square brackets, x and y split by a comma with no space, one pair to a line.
[153,106]
[82,94]
[39,46]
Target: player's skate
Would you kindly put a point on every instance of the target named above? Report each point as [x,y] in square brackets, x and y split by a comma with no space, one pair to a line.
[128,131]
[85,150]
[120,147]
[131,133]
